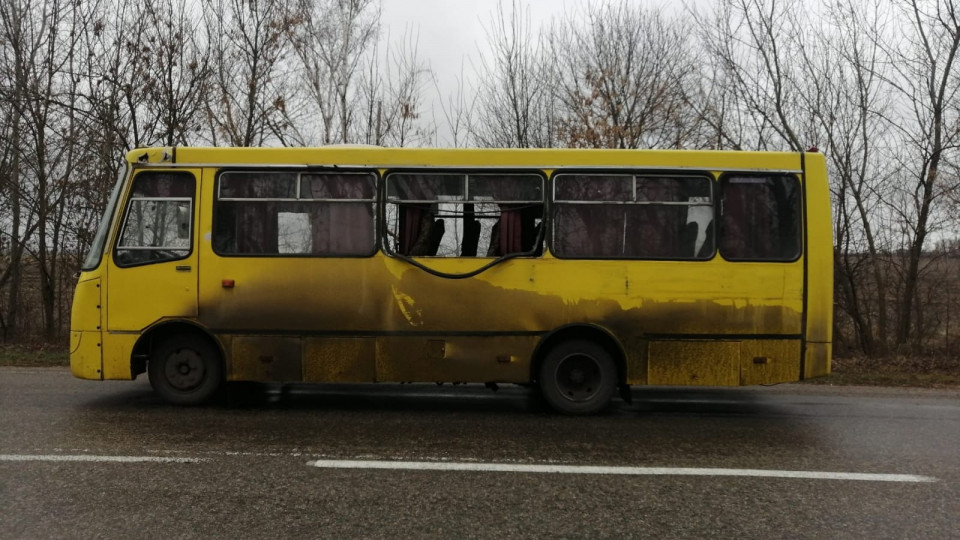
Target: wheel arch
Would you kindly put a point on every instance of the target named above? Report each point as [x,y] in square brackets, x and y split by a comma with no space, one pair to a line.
[587,331]
[160,331]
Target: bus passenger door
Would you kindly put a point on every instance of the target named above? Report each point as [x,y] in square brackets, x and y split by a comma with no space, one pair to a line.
[153,262]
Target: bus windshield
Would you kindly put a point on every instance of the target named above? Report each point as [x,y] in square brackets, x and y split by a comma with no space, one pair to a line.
[96,248]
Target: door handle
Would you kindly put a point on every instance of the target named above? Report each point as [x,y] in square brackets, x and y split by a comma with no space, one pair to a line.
[183,268]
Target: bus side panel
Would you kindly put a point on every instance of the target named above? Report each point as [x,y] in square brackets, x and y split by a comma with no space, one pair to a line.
[265,358]
[769,361]
[694,363]
[819,269]
[332,359]
[723,363]
[455,359]
[307,298]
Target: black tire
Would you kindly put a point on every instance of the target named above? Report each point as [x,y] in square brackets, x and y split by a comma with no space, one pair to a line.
[578,377]
[186,369]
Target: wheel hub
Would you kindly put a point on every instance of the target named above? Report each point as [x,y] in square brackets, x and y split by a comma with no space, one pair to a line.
[185,370]
[579,377]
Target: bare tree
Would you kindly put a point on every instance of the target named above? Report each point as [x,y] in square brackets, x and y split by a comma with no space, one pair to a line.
[361,90]
[621,78]
[842,90]
[391,97]
[458,110]
[248,41]
[174,69]
[41,56]
[755,46]
[515,108]
[21,45]
[331,45]
[926,77]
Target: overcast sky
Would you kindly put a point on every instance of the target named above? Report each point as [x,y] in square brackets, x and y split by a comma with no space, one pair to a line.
[450,34]
[451,30]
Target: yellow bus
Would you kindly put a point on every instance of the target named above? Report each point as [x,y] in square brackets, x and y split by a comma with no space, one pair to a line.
[579,272]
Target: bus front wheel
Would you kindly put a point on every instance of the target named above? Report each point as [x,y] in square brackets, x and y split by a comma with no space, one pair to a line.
[185,370]
[578,377]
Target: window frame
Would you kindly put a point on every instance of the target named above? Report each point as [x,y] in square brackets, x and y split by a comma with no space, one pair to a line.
[801,213]
[299,173]
[466,173]
[713,204]
[127,204]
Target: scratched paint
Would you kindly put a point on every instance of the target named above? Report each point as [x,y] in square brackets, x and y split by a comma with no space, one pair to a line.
[407,306]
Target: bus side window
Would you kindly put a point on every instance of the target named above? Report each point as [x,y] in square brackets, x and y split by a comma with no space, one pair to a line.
[158,219]
[633,216]
[761,218]
[295,214]
[464,215]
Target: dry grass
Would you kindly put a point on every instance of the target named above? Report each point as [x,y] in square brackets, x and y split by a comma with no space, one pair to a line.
[42,355]
[931,371]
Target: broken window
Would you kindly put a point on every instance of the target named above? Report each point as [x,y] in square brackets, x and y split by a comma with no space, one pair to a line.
[464,215]
[760,218]
[295,213]
[633,216]
[159,219]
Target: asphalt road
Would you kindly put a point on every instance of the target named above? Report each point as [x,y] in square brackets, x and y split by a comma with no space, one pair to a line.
[82,459]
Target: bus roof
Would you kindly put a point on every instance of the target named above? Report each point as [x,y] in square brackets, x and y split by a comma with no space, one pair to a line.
[549,158]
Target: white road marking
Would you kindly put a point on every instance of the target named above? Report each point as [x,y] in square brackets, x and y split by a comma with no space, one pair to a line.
[98,459]
[493,467]
[628,471]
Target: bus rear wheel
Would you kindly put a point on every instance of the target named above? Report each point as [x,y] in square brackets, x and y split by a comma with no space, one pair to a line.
[578,377]
[185,370]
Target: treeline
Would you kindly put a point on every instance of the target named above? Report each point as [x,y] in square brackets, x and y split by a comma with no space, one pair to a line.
[873,83]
